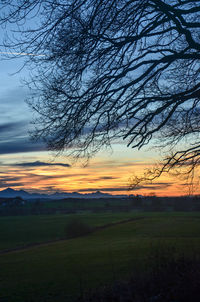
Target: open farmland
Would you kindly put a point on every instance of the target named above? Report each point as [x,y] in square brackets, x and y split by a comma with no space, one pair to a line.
[20,231]
[63,270]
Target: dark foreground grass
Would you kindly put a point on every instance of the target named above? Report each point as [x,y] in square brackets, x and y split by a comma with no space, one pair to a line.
[63,271]
[169,278]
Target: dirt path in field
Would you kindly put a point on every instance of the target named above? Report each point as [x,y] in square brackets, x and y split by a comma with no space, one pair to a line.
[36,244]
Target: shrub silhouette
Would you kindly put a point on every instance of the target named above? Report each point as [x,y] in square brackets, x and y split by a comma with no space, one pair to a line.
[76,227]
[174,279]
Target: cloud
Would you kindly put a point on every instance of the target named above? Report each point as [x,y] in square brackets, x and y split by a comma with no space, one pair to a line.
[10,181]
[14,127]
[126,188]
[8,178]
[5,185]
[156,186]
[94,179]
[23,179]
[122,188]
[39,164]
[20,145]
[117,164]
[107,177]
[15,139]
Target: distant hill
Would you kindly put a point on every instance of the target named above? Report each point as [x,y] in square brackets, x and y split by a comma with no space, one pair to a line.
[9,192]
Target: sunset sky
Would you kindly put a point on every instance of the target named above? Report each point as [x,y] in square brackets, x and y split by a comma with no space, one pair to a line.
[27,165]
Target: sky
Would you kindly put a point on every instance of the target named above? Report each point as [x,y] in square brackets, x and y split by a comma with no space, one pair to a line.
[29,166]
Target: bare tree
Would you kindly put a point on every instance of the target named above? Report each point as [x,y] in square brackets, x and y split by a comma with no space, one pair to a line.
[125,69]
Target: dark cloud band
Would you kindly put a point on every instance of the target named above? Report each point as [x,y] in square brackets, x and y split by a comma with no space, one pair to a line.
[40,164]
[19,146]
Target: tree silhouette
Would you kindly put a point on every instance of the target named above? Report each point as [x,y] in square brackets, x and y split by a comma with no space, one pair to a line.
[113,70]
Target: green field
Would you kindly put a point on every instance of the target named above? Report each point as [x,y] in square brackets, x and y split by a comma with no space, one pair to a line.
[62,270]
[18,231]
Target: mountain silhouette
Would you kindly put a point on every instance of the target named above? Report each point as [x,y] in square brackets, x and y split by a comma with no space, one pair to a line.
[9,192]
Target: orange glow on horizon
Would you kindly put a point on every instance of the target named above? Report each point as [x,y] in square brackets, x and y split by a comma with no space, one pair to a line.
[108,176]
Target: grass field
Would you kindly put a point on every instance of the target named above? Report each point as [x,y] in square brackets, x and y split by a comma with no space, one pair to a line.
[18,231]
[62,270]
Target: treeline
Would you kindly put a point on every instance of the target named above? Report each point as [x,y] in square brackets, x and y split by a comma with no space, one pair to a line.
[154,203]
[18,206]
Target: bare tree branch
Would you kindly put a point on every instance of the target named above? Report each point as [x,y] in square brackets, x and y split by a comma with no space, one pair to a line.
[113,69]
